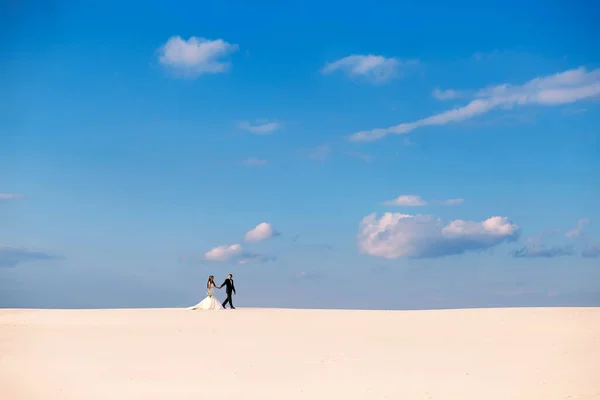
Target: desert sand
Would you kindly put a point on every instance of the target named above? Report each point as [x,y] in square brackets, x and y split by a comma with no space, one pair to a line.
[247,354]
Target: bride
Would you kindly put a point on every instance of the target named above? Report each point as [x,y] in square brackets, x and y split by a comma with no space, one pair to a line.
[209,302]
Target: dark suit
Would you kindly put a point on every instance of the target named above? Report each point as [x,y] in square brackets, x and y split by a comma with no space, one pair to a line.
[229,288]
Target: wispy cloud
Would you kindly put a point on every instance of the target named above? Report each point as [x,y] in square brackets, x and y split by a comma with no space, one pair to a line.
[260,127]
[409,200]
[563,88]
[320,153]
[196,56]
[255,162]
[575,111]
[13,256]
[376,69]
[10,196]
[360,156]
[446,94]
[576,231]
[449,202]
[534,251]
[535,247]
[397,235]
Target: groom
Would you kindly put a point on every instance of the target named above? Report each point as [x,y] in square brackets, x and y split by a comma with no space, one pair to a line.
[229,287]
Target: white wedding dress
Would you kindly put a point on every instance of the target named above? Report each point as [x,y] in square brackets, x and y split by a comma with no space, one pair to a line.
[209,302]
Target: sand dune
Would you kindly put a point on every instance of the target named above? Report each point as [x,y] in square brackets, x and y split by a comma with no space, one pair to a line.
[248,354]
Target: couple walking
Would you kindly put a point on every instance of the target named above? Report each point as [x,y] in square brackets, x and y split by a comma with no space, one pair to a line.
[210,302]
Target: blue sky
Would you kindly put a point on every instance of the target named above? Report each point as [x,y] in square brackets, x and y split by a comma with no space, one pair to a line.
[389,156]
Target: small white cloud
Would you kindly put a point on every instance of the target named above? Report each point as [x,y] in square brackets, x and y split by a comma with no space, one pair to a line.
[406,200]
[196,56]
[576,232]
[255,162]
[223,253]
[409,200]
[10,196]
[320,153]
[420,236]
[233,253]
[563,88]
[377,69]
[535,251]
[260,127]
[262,231]
[445,94]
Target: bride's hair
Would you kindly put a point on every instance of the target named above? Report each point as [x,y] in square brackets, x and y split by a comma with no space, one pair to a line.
[210,279]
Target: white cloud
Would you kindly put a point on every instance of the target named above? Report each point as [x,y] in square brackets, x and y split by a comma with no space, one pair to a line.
[576,232]
[196,56]
[10,196]
[406,200]
[320,153]
[262,231]
[255,162]
[260,127]
[534,251]
[12,256]
[445,94]
[421,236]
[223,253]
[377,69]
[409,200]
[563,88]
[234,253]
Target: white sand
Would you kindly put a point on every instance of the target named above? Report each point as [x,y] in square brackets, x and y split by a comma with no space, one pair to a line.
[247,354]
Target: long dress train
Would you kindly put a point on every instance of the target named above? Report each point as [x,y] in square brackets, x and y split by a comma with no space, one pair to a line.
[208,303]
